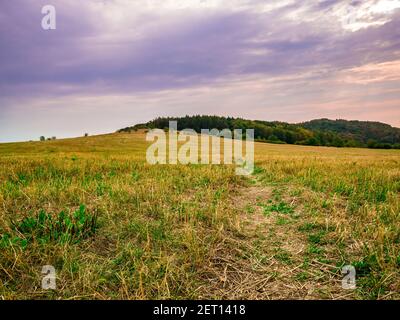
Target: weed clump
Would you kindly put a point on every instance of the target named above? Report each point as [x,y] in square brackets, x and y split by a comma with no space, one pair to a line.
[66,227]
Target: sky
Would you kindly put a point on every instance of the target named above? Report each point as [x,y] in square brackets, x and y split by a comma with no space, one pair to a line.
[114,63]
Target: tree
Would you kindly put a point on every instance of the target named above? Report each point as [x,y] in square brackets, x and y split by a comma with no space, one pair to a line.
[42,138]
[312,141]
[371,143]
[273,138]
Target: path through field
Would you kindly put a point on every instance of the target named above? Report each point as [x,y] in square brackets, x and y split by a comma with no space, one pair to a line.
[274,256]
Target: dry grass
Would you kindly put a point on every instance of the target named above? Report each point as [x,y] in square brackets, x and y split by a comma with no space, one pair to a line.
[354,193]
[200,231]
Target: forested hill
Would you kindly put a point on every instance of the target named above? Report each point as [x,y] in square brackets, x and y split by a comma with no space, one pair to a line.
[363,131]
[321,132]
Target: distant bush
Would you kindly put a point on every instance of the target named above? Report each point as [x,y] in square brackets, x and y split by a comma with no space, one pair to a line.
[372,144]
[42,138]
[384,146]
[274,141]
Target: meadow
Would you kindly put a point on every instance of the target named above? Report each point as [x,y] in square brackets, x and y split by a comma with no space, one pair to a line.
[115,227]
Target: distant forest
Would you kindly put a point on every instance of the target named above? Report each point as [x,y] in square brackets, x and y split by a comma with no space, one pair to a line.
[321,132]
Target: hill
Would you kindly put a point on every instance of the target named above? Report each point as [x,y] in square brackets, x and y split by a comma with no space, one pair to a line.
[359,130]
[321,132]
[116,227]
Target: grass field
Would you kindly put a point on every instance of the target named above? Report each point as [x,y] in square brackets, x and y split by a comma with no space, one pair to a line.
[115,227]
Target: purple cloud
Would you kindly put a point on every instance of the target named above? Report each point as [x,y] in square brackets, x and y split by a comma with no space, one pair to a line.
[122,48]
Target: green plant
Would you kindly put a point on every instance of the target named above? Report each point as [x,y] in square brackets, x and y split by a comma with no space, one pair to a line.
[280,207]
[44,227]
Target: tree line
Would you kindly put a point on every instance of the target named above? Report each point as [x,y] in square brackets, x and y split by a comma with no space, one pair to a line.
[321,132]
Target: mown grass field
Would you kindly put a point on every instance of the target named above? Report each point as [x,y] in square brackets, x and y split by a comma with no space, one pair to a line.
[115,227]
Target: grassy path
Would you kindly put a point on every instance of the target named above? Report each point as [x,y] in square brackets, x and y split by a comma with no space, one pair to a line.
[276,255]
[281,251]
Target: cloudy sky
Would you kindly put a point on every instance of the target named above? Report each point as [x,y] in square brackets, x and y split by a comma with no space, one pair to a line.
[114,63]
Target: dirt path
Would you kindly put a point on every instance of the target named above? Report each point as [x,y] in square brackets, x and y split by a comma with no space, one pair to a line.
[280,253]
